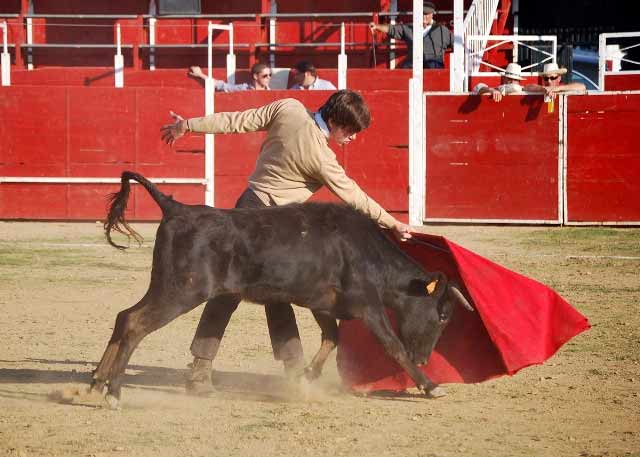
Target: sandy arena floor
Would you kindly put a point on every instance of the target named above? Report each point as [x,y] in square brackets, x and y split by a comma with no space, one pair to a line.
[61,287]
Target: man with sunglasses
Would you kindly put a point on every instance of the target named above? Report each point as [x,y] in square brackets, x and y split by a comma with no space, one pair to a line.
[260,74]
[552,82]
[295,161]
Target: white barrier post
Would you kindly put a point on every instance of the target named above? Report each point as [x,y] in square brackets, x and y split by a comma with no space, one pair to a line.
[5,63]
[342,62]
[231,59]
[417,152]
[152,43]
[209,109]
[29,41]
[118,61]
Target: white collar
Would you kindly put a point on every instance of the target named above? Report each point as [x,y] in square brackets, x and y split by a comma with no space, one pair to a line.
[321,123]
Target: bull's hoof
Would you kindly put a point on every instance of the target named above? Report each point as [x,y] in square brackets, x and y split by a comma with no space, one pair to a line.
[199,388]
[436,392]
[113,403]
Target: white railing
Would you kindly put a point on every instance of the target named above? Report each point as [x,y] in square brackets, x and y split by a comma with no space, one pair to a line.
[612,55]
[513,41]
[478,22]
[231,57]
[5,63]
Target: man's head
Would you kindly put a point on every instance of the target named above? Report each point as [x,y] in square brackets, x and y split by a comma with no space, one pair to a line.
[512,74]
[552,74]
[304,73]
[428,11]
[261,75]
[346,114]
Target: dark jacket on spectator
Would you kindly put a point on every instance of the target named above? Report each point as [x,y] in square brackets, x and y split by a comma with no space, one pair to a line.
[435,42]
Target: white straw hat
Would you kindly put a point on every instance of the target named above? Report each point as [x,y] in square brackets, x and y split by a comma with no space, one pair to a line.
[552,69]
[513,71]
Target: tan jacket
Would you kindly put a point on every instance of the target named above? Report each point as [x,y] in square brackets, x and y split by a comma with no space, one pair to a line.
[295,159]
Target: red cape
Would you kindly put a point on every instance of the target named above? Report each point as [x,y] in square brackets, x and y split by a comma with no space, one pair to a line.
[518,322]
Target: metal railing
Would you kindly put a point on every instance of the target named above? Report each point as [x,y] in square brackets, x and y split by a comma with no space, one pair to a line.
[513,41]
[478,22]
[612,55]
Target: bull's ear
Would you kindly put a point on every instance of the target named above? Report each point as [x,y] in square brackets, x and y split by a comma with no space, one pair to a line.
[417,288]
[421,288]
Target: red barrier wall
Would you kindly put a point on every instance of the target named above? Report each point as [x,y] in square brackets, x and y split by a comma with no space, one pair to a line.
[491,161]
[357,78]
[603,164]
[621,82]
[99,132]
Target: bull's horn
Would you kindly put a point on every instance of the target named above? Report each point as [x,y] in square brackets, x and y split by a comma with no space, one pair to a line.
[461,298]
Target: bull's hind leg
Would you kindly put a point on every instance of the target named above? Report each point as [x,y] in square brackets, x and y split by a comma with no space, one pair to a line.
[132,325]
[329,342]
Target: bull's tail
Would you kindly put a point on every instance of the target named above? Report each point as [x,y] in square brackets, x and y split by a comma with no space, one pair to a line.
[118,204]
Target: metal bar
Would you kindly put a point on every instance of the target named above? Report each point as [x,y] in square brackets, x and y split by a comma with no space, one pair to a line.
[83,16]
[74,45]
[191,45]
[200,16]
[417,153]
[309,45]
[85,180]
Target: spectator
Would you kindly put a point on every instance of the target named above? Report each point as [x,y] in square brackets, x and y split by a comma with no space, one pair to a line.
[305,77]
[435,39]
[260,74]
[552,82]
[295,160]
[510,84]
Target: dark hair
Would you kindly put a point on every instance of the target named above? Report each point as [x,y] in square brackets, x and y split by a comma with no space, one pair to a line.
[304,66]
[346,109]
[257,68]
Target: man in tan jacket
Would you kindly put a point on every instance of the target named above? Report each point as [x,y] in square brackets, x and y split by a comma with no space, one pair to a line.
[295,161]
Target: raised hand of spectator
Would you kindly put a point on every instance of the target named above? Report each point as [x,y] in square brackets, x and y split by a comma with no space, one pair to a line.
[196,72]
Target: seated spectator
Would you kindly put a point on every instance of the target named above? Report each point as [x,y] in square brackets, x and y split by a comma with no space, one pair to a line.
[552,82]
[510,84]
[305,77]
[435,39]
[260,73]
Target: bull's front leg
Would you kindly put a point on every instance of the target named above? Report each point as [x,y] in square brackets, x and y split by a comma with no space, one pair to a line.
[329,342]
[376,321]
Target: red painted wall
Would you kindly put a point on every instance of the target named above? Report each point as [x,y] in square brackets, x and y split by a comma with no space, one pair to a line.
[603,163]
[488,160]
[621,82]
[99,132]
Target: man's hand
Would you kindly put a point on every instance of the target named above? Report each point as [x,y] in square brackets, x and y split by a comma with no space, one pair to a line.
[372,26]
[549,91]
[196,72]
[496,95]
[401,231]
[171,132]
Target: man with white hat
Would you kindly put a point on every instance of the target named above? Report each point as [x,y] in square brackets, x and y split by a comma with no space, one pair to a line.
[552,80]
[510,84]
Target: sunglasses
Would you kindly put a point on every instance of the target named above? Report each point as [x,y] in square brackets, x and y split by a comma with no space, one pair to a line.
[550,78]
[268,75]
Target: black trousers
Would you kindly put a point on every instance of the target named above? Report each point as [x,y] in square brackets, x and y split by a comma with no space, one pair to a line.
[285,339]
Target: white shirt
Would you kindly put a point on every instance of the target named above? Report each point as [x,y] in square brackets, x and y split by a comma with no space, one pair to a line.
[318,84]
[321,123]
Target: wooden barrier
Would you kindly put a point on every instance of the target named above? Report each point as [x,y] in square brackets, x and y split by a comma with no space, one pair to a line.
[490,161]
[99,132]
[603,164]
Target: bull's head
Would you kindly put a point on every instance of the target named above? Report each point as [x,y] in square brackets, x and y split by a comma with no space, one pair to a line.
[427,312]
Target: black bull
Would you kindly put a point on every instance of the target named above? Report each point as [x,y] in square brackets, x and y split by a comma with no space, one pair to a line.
[324,257]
